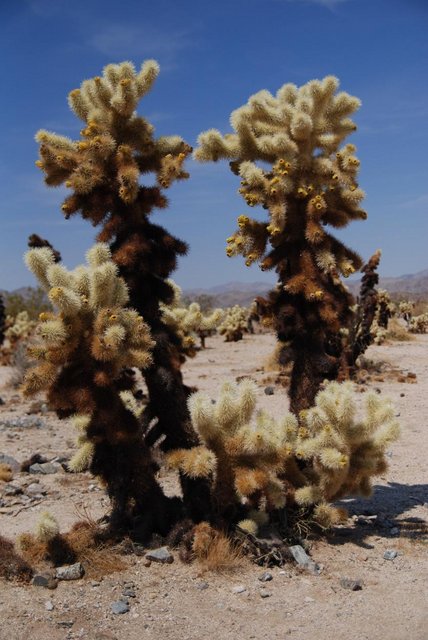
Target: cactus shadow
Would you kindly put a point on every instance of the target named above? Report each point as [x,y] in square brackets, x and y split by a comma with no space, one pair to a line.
[385,514]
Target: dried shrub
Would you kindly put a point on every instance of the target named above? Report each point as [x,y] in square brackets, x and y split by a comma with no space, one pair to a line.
[13,566]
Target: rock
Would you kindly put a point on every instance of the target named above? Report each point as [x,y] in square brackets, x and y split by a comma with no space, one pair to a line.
[2,401]
[11,462]
[49,605]
[238,589]
[46,468]
[119,607]
[202,586]
[309,599]
[26,422]
[11,490]
[352,585]
[129,592]
[35,407]
[395,531]
[264,593]
[35,489]
[266,577]
[70,572]
[65,624]
[303,560]
[269,391]
[104,635]
[162,555]
[390,554]
[46,580]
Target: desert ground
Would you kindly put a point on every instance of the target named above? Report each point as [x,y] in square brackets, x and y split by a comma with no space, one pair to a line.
[179,601]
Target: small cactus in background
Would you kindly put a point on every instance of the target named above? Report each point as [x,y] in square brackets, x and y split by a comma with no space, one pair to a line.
[190,322]
[310,182]
[234,323]
[2,320]
[84,347]
[419,324]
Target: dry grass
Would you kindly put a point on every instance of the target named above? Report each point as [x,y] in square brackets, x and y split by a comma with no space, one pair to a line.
[397,332]
[13,566]
[215,551]
[6,474]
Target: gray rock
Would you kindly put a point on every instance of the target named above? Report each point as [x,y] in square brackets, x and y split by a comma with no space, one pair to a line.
[11,462]
[65,624]
[129,592]
[46,468]
[70,572]
[119,607]
[395,531]
[46,580]
[352,585]
[269,391]
[162,555]
[35,489]
[390,554]
[238,589]
[266,577]
[201,586]
[26,422]
[49,605]
[303,560]
[264,593]
[11,490]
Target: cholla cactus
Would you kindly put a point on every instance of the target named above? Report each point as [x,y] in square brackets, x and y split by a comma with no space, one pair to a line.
[385,308]
[84,347]
[189,322]
[252,457]
[18,330]
[103,171]
[2,320]
[419,324]
[234,323]
[311,182]
[345,452]
[406,309]
[242,451]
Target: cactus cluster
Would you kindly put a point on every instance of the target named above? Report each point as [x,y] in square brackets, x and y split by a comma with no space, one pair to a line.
[419,324]
[190,322]
[234,323]
[310,182]
[84,347]
[252,458]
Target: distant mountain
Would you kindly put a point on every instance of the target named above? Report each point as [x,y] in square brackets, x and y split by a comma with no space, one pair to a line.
[243,293]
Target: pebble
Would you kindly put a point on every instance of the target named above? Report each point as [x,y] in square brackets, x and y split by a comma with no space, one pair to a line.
[129,592]
[309,599]
[46,468]
[201,586]
[264,593]
[390,554]
[395,531]
[11,462]
[35,489]
[162,555]
[70,572]
[269,391]
[119,607]
[266,577]
[12,490]
[303,560]
[45,580]
[49,605]
[352,585]
[23,422]
[239,589]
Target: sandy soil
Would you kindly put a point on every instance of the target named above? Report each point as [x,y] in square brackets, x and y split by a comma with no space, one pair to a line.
[177,601]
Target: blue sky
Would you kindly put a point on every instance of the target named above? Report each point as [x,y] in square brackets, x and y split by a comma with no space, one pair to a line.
[213,56]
